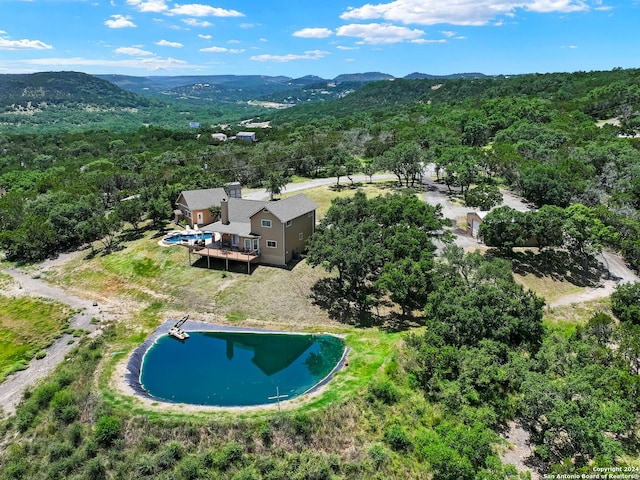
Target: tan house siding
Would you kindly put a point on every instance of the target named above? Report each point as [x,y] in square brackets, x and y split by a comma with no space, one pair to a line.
[269,255]
[303,226]
[205,217]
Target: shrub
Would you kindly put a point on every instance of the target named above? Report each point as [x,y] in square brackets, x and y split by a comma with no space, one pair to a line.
[146,465]
[170,455]
[149,443]
[231,453]
[74,433]
[41,354]
[265,433]
[248,473]
[16,469]
[107,430]
[95,470]
[384,390]
[397,438]
[302,424]
[189,468]
[43,394]
[24,419]
[625,302]
[378,454]
[64,377]
[59,403]
[59,450]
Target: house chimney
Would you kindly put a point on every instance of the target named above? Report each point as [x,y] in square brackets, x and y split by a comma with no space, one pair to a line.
[224,211]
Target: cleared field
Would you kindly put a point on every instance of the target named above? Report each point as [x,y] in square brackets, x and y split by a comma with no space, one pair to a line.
[324,194]
[547,287]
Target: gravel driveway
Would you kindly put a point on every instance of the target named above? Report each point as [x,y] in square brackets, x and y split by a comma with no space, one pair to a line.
[12,388]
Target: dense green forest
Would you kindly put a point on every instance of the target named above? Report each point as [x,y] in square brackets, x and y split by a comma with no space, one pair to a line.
[477,353]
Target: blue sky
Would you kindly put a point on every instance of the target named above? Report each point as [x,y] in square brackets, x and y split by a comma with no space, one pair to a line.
[324,38]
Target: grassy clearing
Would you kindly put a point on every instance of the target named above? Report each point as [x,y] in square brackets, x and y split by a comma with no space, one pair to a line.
[27,325]
[548,288]
[566,317]
[323,195]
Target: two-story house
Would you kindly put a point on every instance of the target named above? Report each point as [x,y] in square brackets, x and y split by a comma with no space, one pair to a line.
[272,232]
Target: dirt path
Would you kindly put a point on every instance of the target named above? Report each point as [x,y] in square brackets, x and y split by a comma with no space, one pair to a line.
[618,273]
[518,451]
[12,388]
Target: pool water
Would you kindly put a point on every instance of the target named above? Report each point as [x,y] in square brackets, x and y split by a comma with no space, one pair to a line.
[237,369]
[188,236]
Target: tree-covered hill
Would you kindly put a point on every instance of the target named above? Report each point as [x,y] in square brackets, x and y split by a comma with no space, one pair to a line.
[599,94]
[39,90]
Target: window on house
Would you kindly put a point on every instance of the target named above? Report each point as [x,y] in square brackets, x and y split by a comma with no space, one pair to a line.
[289,223]
[265,223]
[272,244]
[300,236]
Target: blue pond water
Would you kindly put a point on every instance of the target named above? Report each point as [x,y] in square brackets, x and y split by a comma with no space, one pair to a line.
[237,369]
[177,238]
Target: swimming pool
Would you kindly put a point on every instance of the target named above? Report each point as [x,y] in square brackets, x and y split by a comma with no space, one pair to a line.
[175,238]
[238,369]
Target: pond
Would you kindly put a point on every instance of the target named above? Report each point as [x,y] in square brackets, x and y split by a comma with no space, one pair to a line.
[238,369]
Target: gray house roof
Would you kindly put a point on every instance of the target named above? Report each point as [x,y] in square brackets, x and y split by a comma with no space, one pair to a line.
[203,199]
[240,212]
[291,207]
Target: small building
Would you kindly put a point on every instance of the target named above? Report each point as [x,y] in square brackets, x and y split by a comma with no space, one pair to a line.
[194,125]
[233,189]
[220,137]
[474,219]
[246,136]
[195,206]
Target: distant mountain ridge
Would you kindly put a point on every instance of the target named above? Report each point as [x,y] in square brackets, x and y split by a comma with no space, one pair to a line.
[453,76]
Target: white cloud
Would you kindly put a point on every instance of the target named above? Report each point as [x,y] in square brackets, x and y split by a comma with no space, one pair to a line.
[313,33]
[308,55]
[151,63]
[376,33]
[155,6]
[460,12]
[249,25]
[192,22]
[120,21]
[548,6]
[342,47]
[263,40]
[570,46]
[222,50]
[133,51]
[448,33]
[424,40]
[206,37]
[199,10]
[167,43]
[234,41]
[24,44]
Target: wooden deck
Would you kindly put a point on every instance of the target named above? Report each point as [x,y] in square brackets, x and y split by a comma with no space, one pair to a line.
[226,255]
